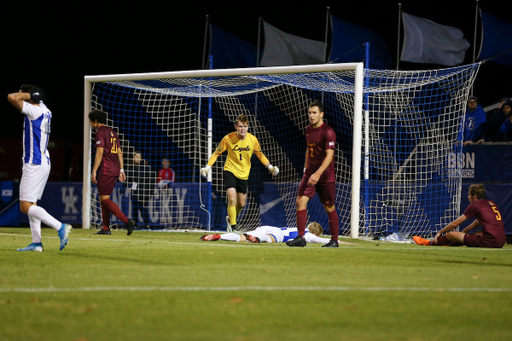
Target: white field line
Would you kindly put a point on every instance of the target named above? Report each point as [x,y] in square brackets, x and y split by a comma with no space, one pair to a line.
[250,288]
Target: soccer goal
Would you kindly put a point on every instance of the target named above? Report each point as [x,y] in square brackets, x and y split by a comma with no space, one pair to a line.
[397,157]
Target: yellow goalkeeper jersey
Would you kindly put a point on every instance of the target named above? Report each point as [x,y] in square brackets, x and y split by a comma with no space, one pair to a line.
[240,152]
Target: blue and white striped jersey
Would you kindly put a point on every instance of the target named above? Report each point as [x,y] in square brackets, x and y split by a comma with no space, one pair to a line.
[36,133]
[282,234]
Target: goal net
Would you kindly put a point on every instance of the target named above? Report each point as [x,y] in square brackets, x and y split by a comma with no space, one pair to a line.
[397,158]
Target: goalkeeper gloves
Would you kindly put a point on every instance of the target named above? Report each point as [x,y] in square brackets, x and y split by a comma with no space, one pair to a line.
[205,170]
[273,170]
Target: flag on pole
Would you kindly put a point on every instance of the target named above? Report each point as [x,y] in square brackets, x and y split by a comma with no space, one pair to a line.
[347,45]
[428,42]
[496,39]
[286,49]
[229,51]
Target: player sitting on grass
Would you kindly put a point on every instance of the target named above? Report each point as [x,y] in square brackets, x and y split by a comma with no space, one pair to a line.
[487,215]
[270,234]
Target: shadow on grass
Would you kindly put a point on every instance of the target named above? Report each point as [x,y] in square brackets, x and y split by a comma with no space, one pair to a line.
[117,259]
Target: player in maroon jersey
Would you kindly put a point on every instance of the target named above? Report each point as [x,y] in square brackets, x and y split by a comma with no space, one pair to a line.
[319,176]
[487,215]
[107,169]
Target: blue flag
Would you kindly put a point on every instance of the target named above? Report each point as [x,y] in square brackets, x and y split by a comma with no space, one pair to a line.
[496,39]
[347,45]
[229,51]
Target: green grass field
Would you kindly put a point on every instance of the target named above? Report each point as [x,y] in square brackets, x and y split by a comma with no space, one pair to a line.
[171,286]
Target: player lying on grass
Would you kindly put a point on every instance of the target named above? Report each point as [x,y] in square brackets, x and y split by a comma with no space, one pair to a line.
[270,234]
[487,215]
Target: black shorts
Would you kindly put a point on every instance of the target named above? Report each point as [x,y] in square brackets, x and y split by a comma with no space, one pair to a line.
[231,181]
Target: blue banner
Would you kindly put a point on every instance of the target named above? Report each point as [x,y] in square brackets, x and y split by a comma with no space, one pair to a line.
[496,39]
[486,163]
[229,51]
[347,45]
[9,203]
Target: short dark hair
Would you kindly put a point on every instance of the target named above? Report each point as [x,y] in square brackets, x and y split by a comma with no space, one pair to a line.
[29,88]
[319,104]
[99,116]
[478,190]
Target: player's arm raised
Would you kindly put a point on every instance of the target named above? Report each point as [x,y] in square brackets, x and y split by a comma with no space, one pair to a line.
[17,98]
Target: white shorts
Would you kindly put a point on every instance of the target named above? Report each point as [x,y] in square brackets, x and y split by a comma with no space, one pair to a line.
[33,181]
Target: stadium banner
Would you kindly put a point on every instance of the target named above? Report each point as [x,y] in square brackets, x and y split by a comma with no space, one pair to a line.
[347,45]
[229,51]
[428,42]
[282,48]
[9,206]
[496,39]
[178,205]
[486,163]
[62,200]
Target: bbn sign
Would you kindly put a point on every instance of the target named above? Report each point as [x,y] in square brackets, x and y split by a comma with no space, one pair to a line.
[465,163]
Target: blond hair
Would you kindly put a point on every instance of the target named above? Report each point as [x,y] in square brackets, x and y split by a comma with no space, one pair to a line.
[242,119]
[315,228]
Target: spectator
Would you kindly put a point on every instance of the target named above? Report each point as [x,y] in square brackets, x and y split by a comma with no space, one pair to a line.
[495,120]
[140,177]
[165,175]
[506,127]
[474,123]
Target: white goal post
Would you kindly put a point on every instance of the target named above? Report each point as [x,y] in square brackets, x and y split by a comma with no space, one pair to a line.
[397,152]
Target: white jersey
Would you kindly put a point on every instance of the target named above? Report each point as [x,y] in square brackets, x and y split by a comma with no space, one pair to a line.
[36,133]
[282,234]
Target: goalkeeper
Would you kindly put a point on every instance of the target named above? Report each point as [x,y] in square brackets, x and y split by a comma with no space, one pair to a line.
[240,146]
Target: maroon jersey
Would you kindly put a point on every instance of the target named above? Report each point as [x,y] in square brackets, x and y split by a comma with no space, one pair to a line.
[489,217]
[318,141]
[107,138]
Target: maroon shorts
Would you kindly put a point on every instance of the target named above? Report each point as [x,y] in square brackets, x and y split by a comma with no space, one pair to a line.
[479,240]
[106,184]
[326,191]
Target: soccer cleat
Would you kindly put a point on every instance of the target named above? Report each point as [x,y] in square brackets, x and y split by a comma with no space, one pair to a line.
[228,224]
[63,235]
[38,247]
[129,226]
[210,237]
[298,241]
[104,232]
[421,241]
[331,243]
[252,239]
